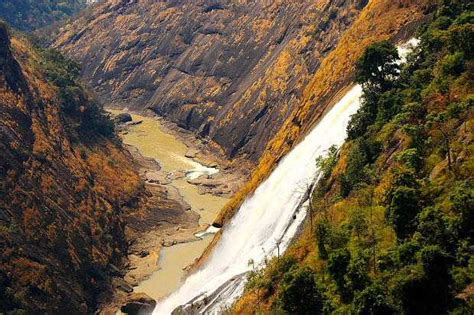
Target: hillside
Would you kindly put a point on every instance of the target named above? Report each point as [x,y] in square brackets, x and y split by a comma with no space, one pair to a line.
[395,20]
[64,183]
[29,15]
[232,71]
[390,223]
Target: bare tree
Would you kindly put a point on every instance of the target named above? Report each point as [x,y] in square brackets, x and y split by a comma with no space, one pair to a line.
[277,243]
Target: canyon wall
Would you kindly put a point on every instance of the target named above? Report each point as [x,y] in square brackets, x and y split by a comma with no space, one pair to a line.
[253,76]
[64,182]
[230,70]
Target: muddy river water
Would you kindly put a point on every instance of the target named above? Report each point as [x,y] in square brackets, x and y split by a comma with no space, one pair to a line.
[153,141]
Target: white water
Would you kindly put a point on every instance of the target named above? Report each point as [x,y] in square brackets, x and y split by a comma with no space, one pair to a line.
[265,216]
[273,213]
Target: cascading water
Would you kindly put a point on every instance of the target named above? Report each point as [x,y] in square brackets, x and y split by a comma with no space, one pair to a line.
[271,215]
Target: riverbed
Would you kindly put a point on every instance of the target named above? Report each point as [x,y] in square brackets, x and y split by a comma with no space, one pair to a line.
[155,141]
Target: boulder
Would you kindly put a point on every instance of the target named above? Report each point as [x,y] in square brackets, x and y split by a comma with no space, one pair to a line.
[138,304]
[123,118]
[191,153]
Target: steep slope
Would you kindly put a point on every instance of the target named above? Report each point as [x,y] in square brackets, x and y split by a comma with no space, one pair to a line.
[29,15]
[230,70]
[379,20]
[390,224]
[64,180]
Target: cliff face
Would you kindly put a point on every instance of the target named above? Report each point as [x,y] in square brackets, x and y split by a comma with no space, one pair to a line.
[62,185]
[379,20]
[230,70]
[253,76]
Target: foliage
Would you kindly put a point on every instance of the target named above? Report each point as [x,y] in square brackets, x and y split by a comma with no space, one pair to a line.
[28,15]
[377,67]
[403,210]
[300,294]
[76,104]
[396,233]
[326,164]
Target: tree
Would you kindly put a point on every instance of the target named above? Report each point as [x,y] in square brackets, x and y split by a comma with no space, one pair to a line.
[378,67]
[300,293]
[373,301]
[403,210]
[337,266]
[440,123]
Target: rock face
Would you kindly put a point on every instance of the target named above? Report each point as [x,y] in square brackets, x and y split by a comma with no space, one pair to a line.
[139,304]
[61,196]
[230,70]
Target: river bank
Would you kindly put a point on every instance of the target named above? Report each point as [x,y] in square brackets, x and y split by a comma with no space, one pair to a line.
[187,185]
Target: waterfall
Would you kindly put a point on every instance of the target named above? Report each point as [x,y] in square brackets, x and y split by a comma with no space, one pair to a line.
[272,214]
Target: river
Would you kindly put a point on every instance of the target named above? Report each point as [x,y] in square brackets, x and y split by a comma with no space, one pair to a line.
[153,140]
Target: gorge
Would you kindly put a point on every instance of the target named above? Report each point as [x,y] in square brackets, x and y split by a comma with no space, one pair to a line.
[234,156]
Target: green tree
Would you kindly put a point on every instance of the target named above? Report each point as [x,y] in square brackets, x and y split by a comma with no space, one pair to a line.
[378,67]
[338,265]
[300,293]
[403,210]
[374,300]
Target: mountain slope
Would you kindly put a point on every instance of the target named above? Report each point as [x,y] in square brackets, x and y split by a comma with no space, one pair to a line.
[230,70]
[390,228]
[29,15]
[395,20]
[63,182]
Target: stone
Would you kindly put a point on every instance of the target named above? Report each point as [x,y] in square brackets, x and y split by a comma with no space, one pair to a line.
[123,118]
[191,153]
[138,303]
[134,123]
[144,253]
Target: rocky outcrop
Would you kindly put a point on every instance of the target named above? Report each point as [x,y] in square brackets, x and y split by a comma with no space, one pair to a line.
[62,192]
[138,304]
[123,118]
[230,70]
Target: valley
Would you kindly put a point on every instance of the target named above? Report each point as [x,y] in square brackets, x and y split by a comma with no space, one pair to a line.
[236,157]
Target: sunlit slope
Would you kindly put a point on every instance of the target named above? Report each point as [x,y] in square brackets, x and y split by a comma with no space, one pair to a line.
[381,19]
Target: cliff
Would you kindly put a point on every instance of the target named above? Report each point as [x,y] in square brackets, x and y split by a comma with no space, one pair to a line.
[379,20]
[64,179]
[233,71]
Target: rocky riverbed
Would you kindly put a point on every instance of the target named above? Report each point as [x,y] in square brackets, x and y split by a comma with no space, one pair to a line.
[188,181]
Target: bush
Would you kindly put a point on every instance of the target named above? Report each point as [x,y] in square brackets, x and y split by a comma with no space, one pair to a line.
[378,66]
[453,64]
[338,265]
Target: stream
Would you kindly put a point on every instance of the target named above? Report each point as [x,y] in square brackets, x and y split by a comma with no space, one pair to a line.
[153,141]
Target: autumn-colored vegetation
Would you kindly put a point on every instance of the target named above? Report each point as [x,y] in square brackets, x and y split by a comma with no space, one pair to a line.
[64,182]
[392,220]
